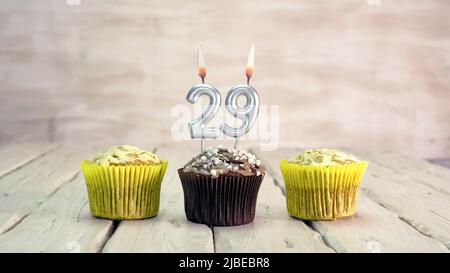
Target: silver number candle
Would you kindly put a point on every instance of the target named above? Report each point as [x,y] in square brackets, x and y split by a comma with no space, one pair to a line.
[247,113]
[197,127]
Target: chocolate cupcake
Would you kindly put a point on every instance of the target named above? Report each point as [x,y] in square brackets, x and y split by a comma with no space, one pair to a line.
[221,186]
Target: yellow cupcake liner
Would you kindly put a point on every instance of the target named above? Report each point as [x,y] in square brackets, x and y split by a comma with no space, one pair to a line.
[322,192]
[123,192]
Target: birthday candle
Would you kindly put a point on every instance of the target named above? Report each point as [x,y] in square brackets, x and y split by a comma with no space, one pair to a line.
[250,64]
[197,127]
[247,113]
[201,64]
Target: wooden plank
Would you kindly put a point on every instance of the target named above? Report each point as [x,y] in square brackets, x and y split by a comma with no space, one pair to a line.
[169,231]
[374,227]
[63,223]
[425,208]
[413,170]
[24,190]
[14,157]
[272,230]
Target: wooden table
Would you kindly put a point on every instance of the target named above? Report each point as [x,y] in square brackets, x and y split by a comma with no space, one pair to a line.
[404,206]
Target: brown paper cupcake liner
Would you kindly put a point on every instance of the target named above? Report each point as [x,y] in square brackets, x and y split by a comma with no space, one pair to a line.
[222,201]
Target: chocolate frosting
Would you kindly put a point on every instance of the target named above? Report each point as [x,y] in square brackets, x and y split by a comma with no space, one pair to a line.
[225,161]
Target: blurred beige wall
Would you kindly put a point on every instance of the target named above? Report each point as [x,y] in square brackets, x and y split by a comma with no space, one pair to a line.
[345,73]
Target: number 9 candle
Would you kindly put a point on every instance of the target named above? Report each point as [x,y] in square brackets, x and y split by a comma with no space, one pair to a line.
[247,113]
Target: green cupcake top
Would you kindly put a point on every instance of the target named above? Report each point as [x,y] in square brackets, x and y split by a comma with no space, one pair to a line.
[323,157]
[125,155]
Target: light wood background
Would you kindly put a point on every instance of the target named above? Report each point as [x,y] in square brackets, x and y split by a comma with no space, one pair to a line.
[345,73]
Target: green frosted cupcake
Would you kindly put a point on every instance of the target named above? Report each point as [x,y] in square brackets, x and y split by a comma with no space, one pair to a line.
[322,184]
[124,182]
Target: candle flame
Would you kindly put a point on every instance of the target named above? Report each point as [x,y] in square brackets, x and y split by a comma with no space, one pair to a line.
[201,63]
[250,63]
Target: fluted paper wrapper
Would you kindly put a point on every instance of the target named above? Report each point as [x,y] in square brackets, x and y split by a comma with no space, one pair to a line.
[221,201]
[322,192]
[123,192]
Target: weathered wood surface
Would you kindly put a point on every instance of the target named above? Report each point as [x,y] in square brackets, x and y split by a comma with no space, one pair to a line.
[14,157]
[403,207]
[375,227]
[24,190]
[422,205]
[63,223]
[414,170]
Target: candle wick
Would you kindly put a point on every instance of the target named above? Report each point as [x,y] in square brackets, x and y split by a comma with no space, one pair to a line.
[202,141]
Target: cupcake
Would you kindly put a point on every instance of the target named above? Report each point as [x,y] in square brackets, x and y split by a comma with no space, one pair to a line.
[221,187]
[322,184]
[124,182]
